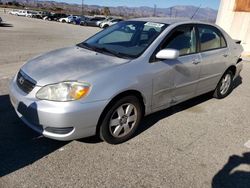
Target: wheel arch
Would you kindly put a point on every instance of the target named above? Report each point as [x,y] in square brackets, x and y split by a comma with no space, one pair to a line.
[135,93]
[231,68]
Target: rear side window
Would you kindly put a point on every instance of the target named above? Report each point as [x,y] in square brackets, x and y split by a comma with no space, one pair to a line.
[210,38]
[183,39]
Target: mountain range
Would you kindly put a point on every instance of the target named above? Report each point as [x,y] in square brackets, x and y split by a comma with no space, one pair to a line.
[207,14]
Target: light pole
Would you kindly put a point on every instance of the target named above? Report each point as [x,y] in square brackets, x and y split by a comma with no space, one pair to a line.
[154,10]
[82,6]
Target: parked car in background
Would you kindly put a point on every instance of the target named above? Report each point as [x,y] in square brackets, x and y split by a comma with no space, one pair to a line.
[68,19]
[98,23]
[109,23]
[78,20]
[92,21]
[41,14]
[156,62]
[24,13]
[31,14]
[14,12]
[56,17]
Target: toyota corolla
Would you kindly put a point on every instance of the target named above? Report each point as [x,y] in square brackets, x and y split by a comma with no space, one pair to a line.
[105,85]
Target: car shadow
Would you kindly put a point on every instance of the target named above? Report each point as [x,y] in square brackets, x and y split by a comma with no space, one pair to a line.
[230,177]
[19,145]
[5,25]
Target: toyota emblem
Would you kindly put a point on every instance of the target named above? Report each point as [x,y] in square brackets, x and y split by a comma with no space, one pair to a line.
[21,80]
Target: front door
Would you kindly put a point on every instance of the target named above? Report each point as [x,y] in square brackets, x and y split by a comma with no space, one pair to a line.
[179,81]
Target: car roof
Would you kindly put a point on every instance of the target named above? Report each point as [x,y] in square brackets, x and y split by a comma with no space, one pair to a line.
[169,21]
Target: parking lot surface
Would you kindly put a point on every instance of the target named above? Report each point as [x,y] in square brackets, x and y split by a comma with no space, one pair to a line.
[200,143]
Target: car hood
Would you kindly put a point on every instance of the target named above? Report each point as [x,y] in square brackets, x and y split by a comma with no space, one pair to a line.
[67,64]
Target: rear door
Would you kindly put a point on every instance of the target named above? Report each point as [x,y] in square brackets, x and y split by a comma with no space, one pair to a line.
[214,53]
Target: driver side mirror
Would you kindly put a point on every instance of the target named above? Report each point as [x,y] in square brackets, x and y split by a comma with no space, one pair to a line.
[168,54]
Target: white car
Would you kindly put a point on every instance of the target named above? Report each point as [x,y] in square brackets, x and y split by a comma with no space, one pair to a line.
[14,12]
[68,19]
[98,23]
[23,13]
[109,23]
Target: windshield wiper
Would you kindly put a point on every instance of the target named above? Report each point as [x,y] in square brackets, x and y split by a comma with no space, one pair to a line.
[85,45]
[112,52]
[103,49]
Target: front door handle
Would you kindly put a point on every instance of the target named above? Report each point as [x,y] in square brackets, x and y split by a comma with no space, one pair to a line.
[196,61]
[225,55]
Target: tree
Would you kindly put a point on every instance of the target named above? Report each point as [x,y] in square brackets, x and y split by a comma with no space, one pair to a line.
[95,12]
[58,9]
[106,11]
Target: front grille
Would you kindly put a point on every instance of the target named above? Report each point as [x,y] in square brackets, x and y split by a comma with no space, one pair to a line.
[24,82]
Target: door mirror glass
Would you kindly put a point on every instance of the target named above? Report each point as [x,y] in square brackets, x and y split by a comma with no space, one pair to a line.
[168,54]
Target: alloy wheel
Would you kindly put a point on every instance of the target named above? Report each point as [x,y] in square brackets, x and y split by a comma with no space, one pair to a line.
[225,84]
[123,120]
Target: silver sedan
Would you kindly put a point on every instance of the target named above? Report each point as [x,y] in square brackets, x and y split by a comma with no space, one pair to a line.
[106,84]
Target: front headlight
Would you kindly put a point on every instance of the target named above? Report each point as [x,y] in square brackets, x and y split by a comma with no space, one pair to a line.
[64,91]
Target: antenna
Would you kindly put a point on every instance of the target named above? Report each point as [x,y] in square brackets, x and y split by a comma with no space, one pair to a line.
[196,12]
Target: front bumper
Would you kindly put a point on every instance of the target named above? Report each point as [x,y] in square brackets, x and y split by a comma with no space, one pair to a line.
[43,116]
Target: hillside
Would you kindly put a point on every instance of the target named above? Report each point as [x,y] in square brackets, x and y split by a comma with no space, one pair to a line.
[207,14]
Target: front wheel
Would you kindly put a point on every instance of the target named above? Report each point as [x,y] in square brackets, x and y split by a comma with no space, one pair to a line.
[105,26]
[225,86]
[121,120]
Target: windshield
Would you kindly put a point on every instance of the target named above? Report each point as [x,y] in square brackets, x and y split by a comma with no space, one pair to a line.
[127,39]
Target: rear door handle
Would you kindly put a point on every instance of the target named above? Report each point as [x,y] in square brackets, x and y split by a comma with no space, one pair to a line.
[225,55]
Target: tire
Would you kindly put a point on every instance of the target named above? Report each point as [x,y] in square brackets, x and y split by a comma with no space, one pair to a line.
[105,26]
[225,86]
[118,125]
[85,24]
[63,21]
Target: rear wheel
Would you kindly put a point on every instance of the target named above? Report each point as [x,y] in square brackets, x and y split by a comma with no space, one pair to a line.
[225,86]
[121,120]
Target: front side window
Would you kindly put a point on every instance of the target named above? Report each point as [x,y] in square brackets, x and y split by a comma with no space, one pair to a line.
[129,38]
[210,38]
[183,39]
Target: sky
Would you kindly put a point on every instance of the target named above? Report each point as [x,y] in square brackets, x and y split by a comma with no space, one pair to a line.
[137,3]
